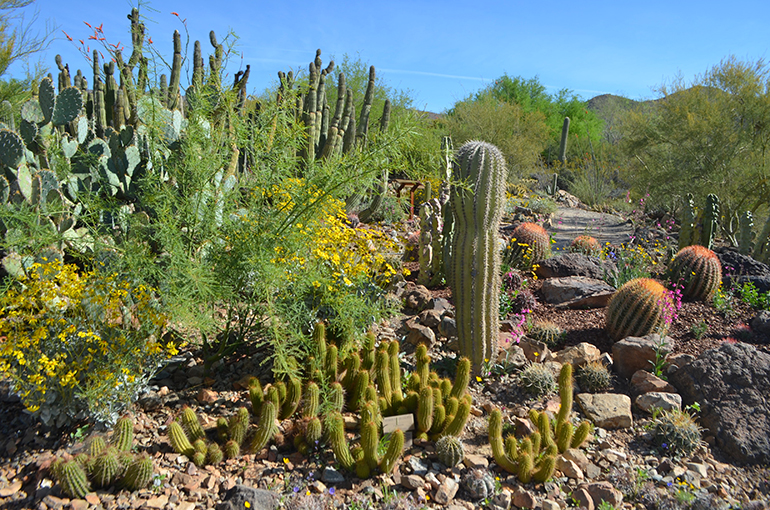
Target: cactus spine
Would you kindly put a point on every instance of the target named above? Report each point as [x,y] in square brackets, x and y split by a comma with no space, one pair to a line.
[475,264]
[698,269]
[638,308]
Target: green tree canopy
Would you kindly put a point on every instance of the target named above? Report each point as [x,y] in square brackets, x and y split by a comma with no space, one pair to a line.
[708,135]
[531,96]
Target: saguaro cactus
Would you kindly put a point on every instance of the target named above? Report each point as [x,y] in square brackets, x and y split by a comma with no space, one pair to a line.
[478,201]
[563,145]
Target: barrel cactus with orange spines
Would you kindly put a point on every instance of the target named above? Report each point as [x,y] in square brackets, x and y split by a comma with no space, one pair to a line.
[529,243]
[586,245]
[698,269]
[638,308]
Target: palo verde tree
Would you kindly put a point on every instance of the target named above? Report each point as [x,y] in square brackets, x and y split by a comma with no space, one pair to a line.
[712,133]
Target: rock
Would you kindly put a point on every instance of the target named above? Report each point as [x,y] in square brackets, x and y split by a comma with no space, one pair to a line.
[523,499]
[583,499]
[730,384]
[604,491]
[569,468]
[513,354]
[412,482]
[475,461]
[644,382]
[331,476]
[606,410]
[658,400]
[447,491]
[448,327]
[430,318]
[550,505]
[502,501]
[417,297]
[243,496]
[207,396]
[761,323]
[578,355]
[419,334]
[575,264]
[157,502]
[418,466]
[577,292]
[440,304]
[637,353]
[523,426]
[576,456]
[534,351]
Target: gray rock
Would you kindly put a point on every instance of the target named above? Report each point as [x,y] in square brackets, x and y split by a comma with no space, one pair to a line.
[730,384]
[577,292]
[419,466]
[331,476]
[658,400]
[412,482]
[430,318]
[258,499]
[575,264]
[606,410]
[637,353]
[761,323]
[448,327]
[440,304]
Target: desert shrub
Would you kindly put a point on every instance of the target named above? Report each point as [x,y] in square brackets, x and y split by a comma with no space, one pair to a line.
[79,345]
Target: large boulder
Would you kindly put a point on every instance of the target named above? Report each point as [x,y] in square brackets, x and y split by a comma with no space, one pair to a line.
[638,353]
[577,292]
[575,264]
[730,383]
[738,269]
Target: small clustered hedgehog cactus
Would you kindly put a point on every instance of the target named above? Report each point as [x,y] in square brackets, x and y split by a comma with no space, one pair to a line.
[593,376]
[530,243]
[537,379]
[545,331]
[638,308]
[105,464]
[698,269]
[676,431]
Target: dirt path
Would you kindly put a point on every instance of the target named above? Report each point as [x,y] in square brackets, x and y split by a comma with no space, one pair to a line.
[569,222]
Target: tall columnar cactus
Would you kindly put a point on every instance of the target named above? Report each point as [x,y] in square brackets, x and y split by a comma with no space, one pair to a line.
[710,221]
[698,269]
[638,308]
[563,144]
[746,233]
[123,437]
[529,243]
[478,202]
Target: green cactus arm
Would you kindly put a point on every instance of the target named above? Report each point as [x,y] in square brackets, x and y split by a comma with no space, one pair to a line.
[495,430]
[393,453]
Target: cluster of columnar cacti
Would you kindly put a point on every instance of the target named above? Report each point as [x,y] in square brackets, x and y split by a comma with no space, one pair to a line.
[431,251]
[477,201]
[105,464]
[698,270]
[534,456]
[640,307]
[188,438]
[699,226]
[586,245]
[529,243]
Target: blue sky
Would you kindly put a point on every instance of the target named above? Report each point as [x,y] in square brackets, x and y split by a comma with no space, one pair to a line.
[443,51]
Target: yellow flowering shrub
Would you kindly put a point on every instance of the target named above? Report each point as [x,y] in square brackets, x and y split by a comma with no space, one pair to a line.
[79,346]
